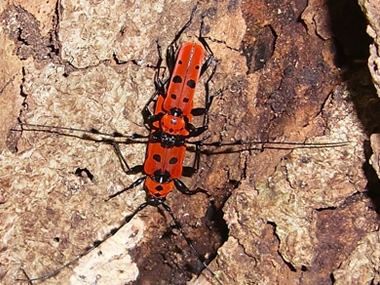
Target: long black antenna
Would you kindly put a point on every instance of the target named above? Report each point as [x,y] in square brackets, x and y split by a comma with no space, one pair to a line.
[86,133]
[188,241]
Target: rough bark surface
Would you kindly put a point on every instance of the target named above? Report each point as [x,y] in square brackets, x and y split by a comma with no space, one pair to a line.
[274,216]
[371,9]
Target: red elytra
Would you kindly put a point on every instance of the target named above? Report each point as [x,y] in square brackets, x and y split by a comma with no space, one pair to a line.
[164,159]
[162,165]
[184,79]
[177,102]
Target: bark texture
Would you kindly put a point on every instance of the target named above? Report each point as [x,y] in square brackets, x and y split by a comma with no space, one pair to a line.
[289,71]
[371,10]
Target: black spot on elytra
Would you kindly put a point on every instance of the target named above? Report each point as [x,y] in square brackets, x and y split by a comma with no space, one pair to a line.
[191,83]
[173,160]
[159,188]
[177,79]
[185,100]
[157,157]
[173,96]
